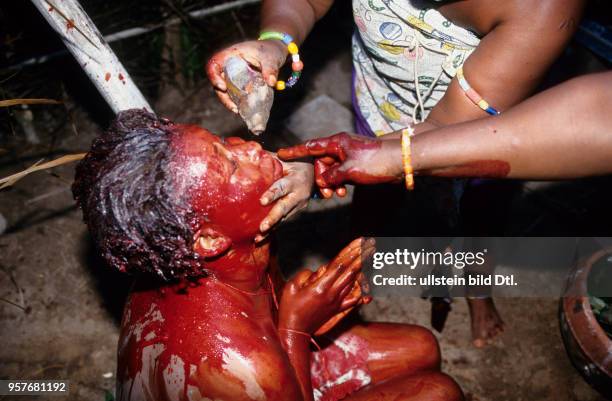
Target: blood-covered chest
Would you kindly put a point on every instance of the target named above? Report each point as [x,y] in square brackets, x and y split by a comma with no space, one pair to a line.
[204,344]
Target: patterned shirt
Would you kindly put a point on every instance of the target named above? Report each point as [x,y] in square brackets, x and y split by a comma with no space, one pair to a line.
[405,56]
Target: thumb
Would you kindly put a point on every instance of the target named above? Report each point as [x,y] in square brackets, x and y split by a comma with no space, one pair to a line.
[302,277]
[270,73]
[333,176]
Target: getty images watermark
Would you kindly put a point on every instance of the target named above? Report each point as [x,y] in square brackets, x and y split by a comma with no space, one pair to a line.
[484,266]
[449,259]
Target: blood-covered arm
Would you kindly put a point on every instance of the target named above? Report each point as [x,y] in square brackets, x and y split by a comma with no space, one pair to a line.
[311,299]
[564,132]
[297,348]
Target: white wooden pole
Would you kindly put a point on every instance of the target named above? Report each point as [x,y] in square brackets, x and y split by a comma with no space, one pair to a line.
[93,53]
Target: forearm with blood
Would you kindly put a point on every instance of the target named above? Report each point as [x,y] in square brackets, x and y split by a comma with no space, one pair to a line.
[468,151]
[545,137]
[297,347]
[450,153]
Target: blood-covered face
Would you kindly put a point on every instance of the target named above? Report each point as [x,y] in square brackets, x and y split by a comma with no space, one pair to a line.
[224,179]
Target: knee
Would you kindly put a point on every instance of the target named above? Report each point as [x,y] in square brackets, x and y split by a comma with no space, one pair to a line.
[450,390]
[432,386]
[429,348]
[421,347]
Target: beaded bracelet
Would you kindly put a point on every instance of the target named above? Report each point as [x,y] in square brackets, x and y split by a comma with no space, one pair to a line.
[407,133]
[473,95]
[296,64]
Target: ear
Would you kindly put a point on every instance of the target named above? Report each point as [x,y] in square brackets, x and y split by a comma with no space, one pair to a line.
[209,242]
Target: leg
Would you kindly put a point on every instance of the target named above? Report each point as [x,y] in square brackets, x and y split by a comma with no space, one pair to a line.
[359,355]
[427,386]
[397,349]
[486,321]
[485,208]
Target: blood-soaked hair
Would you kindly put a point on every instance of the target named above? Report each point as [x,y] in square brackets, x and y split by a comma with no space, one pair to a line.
[139,220]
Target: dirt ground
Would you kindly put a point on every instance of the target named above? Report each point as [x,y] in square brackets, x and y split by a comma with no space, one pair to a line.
[60,307]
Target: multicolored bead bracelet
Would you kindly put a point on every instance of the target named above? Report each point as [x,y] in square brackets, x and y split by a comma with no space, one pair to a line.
[473,95]
[407,134]
[296,64]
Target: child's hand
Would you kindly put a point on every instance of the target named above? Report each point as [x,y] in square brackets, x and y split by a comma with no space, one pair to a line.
[266,56]
[312,299]
[344,158]
[291,194]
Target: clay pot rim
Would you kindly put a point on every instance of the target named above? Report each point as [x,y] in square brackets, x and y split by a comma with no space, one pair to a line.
[585,328]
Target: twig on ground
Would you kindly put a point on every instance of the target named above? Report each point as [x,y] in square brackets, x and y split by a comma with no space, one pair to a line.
[10,76]
[12,179]
[15,102]
[44,369]
[23,308]
[46,195]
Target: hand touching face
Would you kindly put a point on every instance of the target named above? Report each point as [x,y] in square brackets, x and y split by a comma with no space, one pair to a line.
[343,158]
[225,180]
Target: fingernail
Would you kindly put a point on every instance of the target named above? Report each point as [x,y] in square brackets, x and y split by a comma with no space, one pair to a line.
[264,201]
[264,226]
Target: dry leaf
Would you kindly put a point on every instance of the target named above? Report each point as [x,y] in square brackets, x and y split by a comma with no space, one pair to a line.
[14,102]
[12,179]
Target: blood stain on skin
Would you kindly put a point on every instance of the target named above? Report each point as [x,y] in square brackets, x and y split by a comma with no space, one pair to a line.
[341,368]
[107,76]
[70,24]
[478,168]
[210,312]
[366,178]
[122,78]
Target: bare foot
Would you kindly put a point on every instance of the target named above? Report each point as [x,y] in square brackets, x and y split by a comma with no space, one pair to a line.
[486,322]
